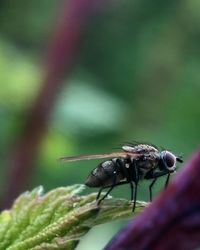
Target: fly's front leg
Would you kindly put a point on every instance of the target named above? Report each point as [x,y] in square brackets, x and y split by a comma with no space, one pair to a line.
[167,180]
[150,188]
[154,175]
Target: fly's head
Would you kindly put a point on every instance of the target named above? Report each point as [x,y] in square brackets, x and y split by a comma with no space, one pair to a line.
[168,161]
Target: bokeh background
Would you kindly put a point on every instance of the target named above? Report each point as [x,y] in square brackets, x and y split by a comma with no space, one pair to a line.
[136,77]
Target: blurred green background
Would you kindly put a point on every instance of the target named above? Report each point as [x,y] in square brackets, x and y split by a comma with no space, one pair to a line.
[137,77]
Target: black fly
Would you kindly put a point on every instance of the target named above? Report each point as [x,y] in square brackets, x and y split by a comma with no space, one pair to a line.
[135,163]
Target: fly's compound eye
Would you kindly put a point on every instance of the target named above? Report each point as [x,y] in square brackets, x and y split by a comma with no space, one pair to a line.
[169,160]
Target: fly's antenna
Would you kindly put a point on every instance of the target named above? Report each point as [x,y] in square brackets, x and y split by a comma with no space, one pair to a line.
[179,158]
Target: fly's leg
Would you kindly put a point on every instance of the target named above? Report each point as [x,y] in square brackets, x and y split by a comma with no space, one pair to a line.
[150,188]
[155,175]
[109,190]
[167,180]
[117,184]
[135,197]
[117,166]
[132,176]
[99,193]
[132,189]
[136,185]
[129,178]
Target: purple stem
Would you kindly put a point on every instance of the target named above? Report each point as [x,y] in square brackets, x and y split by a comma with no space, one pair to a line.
[172,221]
[60,59]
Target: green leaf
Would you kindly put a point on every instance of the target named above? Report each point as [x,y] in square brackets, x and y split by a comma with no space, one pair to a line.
[58,219]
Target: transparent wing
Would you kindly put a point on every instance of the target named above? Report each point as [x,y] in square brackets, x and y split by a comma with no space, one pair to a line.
[97,156]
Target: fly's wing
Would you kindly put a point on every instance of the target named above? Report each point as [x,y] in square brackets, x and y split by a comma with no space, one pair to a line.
[98,156]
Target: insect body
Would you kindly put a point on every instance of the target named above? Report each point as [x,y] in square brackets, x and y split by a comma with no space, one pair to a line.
[135,163]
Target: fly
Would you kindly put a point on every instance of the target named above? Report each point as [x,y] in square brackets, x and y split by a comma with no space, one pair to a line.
[136,162]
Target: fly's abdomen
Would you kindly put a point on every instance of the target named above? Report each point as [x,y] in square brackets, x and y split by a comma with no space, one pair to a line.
[103,175]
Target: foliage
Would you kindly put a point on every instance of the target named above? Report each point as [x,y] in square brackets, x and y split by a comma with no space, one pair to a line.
[58,219]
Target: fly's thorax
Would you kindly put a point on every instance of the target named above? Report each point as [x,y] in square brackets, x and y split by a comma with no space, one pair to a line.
[140,148]
[146,163]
